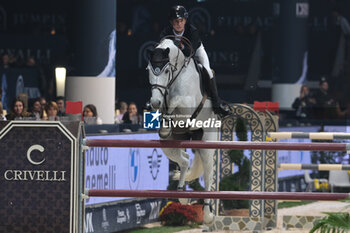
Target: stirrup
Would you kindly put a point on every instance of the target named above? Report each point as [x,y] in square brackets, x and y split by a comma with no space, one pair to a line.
[222,110]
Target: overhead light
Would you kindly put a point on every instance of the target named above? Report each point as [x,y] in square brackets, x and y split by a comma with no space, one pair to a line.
[60,73]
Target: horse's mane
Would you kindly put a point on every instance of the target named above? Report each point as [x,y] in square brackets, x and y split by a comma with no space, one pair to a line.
[175,53]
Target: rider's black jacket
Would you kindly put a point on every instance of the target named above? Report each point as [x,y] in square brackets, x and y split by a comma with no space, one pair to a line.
[191,33]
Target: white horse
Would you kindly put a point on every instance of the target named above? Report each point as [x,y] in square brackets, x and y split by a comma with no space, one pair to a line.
[176,92]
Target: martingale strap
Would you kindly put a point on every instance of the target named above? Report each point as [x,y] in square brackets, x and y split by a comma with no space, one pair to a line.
[199,108]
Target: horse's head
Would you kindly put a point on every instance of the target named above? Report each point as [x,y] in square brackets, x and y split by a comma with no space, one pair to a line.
[159,75]
[165,62]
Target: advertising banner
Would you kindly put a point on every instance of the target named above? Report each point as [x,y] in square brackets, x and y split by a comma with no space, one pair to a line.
[125,168]
[122,216]
[38,177]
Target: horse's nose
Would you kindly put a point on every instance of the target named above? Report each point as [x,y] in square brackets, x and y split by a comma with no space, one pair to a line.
[155,103]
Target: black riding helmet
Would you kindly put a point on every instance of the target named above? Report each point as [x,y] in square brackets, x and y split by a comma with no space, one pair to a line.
[177,12]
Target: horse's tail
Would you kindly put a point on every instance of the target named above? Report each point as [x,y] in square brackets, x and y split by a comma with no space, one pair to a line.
[195,171]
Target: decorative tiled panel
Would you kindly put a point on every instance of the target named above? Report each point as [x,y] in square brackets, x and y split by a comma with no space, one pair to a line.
[270,221]
[255,123]
[303,222]
[236,223]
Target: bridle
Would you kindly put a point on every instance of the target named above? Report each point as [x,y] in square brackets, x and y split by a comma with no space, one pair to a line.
[164,89]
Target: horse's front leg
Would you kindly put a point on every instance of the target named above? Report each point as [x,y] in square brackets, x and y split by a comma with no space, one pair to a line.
[181,157]
[207,160]
[165,130]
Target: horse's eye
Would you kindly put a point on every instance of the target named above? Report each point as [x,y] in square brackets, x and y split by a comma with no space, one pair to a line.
[166,71]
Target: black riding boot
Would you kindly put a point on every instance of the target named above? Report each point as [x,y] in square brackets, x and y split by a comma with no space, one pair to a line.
[220,108]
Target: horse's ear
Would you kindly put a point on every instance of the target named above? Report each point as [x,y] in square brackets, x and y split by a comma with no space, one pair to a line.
[150,53]
[166,52]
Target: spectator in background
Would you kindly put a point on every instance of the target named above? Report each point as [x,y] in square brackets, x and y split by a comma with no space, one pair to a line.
[122,110]
[30,62]
[323,100]
[36,109]
[326,107]
[304,103]
[5,61]
[17,111]
[8,61]
[132,116]
[141,19]
[91,116]
[51,110]
[2,116]
[60,101]
[43,103]
[24,98]
[341,21]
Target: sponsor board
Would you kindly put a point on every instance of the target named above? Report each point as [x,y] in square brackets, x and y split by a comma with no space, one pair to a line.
[38,177]
[125,168]
[122,216]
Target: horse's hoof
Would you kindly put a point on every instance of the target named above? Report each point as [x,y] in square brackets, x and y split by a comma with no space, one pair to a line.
[209,219]
[164,133]
[184,201]
[186,155]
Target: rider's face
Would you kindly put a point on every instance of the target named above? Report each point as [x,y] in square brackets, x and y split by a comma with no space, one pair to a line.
[178,24]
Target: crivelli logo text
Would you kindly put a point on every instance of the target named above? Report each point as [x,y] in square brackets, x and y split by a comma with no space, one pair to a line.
[35,175]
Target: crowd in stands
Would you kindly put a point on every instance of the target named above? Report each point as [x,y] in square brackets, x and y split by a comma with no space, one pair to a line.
[11,61]
[127,113]
[320,104]
[43,72]
[33,109]
[23,108]
[40,109]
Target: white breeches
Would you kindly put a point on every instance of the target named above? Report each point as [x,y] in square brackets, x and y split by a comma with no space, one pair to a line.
[202,57]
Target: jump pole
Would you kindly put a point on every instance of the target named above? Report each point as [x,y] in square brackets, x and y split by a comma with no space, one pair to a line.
[301,135]
[217,145]
[318,167]
[237,195]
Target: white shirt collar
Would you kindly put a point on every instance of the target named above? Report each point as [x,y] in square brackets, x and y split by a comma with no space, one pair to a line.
[178,34]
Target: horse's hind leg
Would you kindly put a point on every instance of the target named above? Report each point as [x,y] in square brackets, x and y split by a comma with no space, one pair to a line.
[182,159]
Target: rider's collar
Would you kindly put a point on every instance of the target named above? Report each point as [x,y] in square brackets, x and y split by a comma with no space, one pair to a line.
[157,71]
[178,35]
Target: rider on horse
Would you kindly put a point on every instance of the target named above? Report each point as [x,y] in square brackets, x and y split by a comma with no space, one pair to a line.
[178,28]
